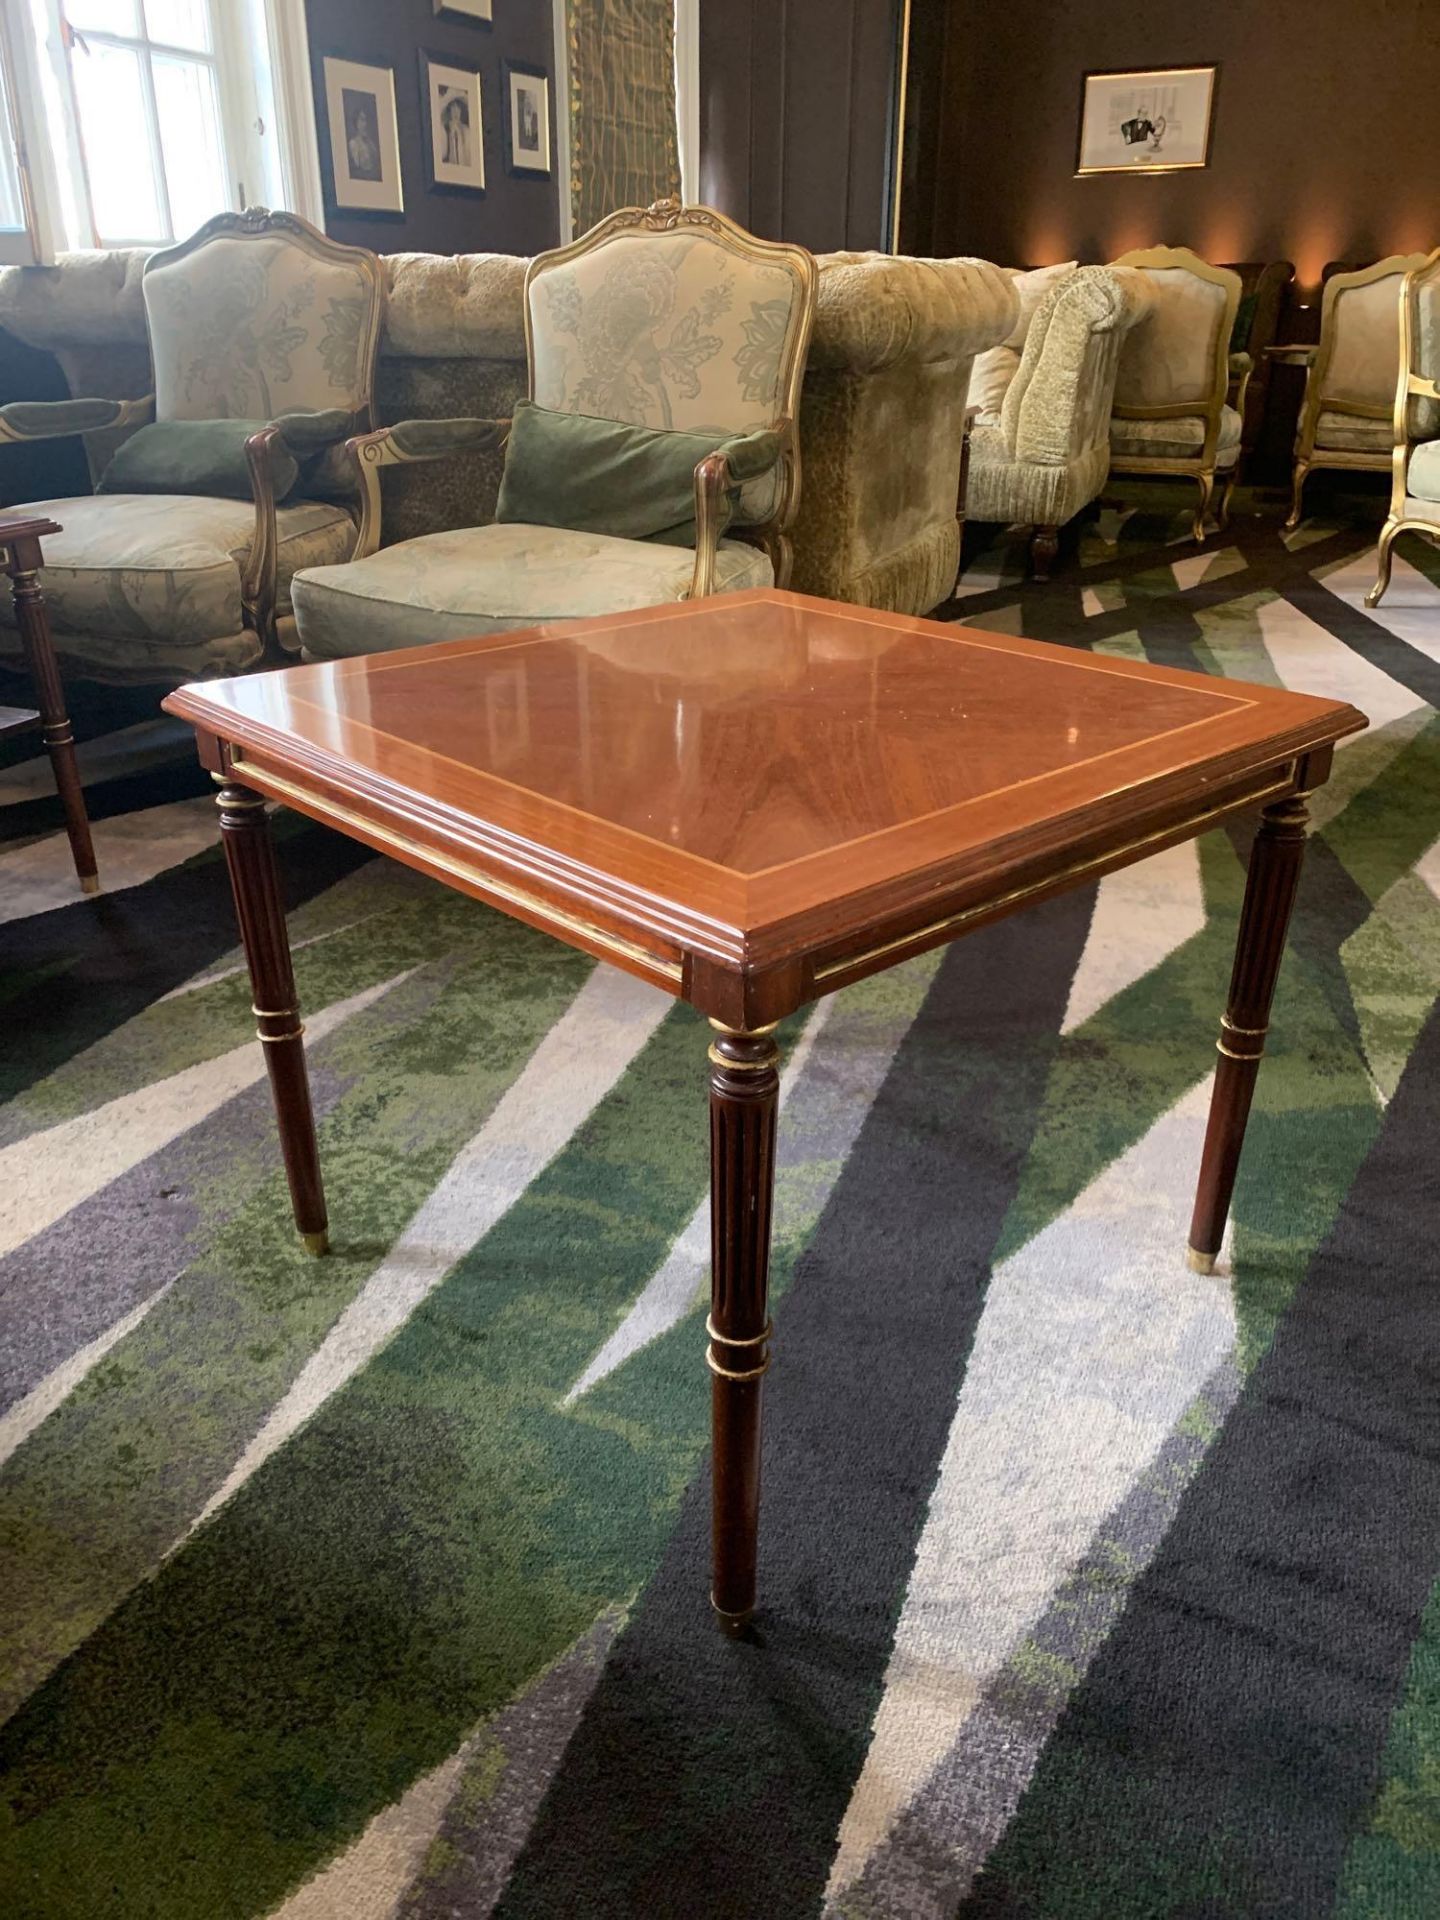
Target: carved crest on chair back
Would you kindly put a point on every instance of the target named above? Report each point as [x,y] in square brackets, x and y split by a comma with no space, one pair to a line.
[258,314]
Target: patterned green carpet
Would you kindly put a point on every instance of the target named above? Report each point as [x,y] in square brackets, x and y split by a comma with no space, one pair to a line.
[373,1588]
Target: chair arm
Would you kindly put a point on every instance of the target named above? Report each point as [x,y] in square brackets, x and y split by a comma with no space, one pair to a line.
[23,421]
[1242,367]
[717,476]
[405,444]
[257,576]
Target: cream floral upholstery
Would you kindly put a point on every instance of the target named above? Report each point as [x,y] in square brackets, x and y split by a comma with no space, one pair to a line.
[1046,453]
[668,317]
[150,583]
[493,580]
[1170,413]
[1346,420]
[257,315]
[1415,418]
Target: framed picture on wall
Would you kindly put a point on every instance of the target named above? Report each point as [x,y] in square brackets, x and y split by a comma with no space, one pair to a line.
[364,139]
[454,125]
[465,10]
[527,120]
[1156,120]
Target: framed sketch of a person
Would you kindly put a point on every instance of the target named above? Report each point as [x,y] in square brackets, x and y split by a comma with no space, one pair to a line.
[454,126]
[1153,120]
[363,137]
[527,120]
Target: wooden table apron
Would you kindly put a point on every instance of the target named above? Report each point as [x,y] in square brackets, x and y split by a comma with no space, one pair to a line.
[745,988]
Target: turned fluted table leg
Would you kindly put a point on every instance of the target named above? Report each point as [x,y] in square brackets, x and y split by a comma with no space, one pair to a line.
[1275,862]
[260,908]
[24,562]
[744,1093]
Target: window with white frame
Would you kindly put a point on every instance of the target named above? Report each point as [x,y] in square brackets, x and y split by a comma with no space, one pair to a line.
[159,114]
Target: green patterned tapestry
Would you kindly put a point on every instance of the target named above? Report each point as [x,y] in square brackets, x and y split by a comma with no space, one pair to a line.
[624,146]
[373,1588]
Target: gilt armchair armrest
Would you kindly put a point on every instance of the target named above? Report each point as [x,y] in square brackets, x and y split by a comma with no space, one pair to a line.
[405,444]
[25,421]
[720,475]
[1242,368]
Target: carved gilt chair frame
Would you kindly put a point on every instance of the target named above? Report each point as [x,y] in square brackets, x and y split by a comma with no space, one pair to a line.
[411,441]
[1200,468]
[1351,459]
[1411,385]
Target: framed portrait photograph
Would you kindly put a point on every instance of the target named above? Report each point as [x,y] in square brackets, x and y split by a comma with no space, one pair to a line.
[1152,121]
[364,139]
[527,120]
[465,10]
[454,125]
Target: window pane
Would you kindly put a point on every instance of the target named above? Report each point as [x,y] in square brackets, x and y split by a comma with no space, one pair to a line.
[189,109]
[113,124]
[103,16]
[12,205]
[179,23]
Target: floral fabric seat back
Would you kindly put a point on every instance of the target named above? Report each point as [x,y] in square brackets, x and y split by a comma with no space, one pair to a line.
[259,315]
[674,318]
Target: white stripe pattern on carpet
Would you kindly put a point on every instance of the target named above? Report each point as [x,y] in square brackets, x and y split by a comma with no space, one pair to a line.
[130,848]
[18,1422]
[1094,1340]
[570,1072]
[1307,658]
[1142,914]
[45,1174]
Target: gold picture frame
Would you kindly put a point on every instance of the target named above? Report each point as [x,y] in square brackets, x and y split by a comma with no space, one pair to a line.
[1128,117]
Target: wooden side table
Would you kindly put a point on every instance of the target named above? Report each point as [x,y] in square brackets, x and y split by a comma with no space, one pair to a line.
[22,559]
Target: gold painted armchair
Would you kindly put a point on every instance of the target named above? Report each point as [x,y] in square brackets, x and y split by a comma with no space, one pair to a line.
[167,572]
[1415,460]
[1174,412]
[1347,415]
[667,319]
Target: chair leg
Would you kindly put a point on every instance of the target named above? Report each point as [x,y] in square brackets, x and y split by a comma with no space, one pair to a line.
[1297,489]
[1222,518]
[1044,545]
[1206,484]
[1382,577]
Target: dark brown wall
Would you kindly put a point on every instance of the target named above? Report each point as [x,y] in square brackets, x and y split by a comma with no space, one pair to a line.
[516,215]
[795,128]
[1322,147]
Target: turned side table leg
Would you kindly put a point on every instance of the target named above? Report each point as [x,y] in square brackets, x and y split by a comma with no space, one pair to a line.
[34,624]
[1275,862]
[744,1095]
[250,856]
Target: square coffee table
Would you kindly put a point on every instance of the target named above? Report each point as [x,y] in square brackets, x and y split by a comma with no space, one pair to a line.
[752,800]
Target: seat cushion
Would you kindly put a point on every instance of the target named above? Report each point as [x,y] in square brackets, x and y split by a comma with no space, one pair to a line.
[1348,433]
[1175,439]
[166,567]
[1424,476]
[495,579]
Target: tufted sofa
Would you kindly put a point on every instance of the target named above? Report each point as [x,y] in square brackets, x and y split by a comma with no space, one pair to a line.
[1046,453]
[881,414]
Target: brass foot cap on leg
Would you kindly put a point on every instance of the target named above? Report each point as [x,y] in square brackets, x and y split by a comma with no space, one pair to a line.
[316,1243]
[1199,1262]
[733,1624]
[89,883]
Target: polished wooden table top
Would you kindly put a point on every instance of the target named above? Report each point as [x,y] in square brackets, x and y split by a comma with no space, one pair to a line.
[756,797]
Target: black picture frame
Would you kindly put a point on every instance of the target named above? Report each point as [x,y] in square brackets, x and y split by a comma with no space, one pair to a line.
[335,208]
[520,168]
[460,190]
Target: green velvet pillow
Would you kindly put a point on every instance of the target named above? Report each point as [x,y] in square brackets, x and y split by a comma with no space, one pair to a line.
[599,476]
[208,456]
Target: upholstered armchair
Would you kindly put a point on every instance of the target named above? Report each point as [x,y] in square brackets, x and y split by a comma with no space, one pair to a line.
[263,337]
[1415,425]
[1347,417]
[665,350]
[1173,391]
[1046,454]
